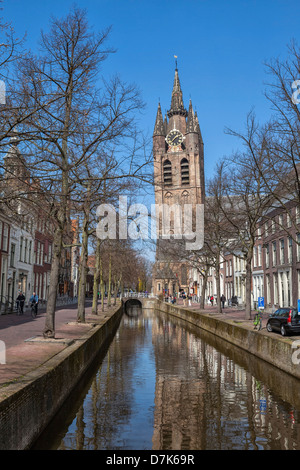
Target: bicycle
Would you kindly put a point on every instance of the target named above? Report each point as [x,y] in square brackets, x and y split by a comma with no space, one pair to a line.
[33,309]
[258,321]
[19,310]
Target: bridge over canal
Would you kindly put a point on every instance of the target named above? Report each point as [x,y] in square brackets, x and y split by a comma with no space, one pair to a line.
[133,302]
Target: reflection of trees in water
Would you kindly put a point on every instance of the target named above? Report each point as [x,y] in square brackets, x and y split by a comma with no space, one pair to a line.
[209,394]
[218,403]
[109,404]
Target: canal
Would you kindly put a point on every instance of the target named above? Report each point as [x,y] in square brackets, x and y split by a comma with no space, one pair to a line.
[163,384]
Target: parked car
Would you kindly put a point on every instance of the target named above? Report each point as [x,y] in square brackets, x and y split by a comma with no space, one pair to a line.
[285,320]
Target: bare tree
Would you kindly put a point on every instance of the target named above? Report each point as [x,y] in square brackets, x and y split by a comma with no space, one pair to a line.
[60,88]
[246,194]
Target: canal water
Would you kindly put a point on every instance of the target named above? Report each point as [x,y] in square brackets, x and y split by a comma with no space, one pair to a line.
[163,384]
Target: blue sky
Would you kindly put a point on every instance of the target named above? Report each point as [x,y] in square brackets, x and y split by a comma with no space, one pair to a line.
[221,48]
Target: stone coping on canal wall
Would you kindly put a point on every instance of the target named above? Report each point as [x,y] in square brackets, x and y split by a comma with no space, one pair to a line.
[29,403]
[281,352]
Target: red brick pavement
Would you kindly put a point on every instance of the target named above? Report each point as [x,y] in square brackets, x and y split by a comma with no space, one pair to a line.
[25,348]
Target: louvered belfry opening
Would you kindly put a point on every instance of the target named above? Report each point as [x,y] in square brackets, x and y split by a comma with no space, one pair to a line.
[167,173]
[185,172]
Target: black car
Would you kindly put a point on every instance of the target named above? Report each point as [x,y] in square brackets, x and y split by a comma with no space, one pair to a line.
[285,320]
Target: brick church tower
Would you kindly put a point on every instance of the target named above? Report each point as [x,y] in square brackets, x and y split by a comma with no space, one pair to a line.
[178,179]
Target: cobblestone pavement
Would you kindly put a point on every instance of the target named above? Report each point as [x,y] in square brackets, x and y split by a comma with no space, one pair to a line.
[25,348]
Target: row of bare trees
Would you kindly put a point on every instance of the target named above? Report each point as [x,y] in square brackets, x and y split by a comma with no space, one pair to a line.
[261,176]
[77,134]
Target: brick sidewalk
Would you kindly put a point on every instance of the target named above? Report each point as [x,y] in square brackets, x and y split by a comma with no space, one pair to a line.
[20,333]
[235,313]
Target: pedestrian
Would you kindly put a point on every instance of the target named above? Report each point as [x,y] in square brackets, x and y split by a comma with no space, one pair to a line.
[21,301]
[34,300]
[184,297]
[223,300]
[212,300]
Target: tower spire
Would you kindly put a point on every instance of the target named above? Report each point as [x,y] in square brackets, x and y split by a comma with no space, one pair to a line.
[177,106]
[159,128]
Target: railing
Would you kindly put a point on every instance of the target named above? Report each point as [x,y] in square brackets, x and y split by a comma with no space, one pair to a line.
[7,305]
[65,300]
[137,295]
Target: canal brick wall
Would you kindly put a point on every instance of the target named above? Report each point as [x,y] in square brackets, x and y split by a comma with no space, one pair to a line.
[281,352]
[28,405]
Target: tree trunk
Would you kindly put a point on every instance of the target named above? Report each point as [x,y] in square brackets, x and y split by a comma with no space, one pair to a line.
[83,272]
[109,283]
[101,286]
[49,328]
[218,288]
[248,288]
[96,279]
[204,284]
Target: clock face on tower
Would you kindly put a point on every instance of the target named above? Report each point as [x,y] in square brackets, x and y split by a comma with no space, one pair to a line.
[174,138]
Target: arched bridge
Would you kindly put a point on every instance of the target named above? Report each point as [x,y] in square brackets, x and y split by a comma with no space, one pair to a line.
[133,302]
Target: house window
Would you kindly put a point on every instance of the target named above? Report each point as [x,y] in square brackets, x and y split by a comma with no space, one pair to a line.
[274,260]
[297,215]
[185,172]
[25,250]
[267,256]
[273,226]
[266,229]
[21,248]
[268,289]
[5,237]
[275,287]
[281,251]
[259,255]
[290,250]
[255,257]
[12,255]
[29,251]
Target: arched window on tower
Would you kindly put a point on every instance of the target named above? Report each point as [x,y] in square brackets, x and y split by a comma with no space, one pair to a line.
[185,172]
[167,169]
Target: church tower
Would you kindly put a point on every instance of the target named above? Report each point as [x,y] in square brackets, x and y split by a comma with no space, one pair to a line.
[178,179]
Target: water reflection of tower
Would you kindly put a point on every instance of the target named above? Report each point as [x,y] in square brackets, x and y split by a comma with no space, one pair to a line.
[179,403]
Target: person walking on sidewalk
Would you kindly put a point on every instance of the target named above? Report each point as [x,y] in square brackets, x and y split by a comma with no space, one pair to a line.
[223,300]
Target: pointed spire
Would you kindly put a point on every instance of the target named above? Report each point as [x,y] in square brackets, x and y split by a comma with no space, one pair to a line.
[177,106]
[197,127]
[159,123]
[190,125]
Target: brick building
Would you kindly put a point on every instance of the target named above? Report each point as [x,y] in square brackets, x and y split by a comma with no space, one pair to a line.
[179,179]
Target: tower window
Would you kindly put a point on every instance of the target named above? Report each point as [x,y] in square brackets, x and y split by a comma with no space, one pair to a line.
[185,172]
[167,173]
